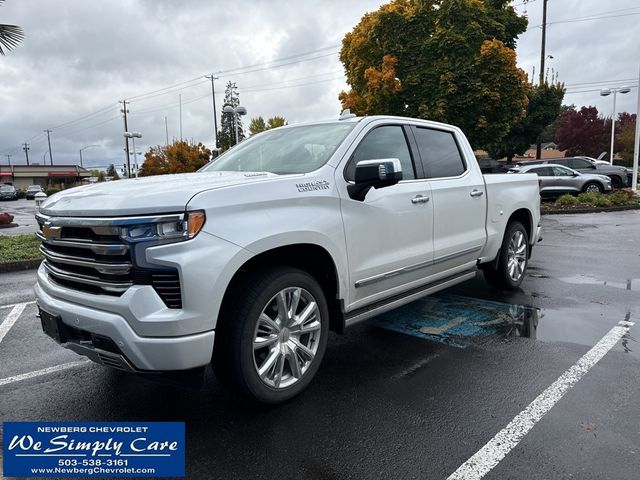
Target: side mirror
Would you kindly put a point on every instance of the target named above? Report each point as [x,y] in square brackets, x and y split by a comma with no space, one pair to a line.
[575,174]
[378,173]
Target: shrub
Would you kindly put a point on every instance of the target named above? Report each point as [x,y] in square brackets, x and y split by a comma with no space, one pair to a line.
[567,199]
[602,201]
[588,197]
[51,191]
[620,197]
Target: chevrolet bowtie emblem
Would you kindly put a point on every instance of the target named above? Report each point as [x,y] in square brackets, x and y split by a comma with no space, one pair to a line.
[50,232]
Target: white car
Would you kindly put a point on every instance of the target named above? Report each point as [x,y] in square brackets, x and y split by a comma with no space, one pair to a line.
[248,263]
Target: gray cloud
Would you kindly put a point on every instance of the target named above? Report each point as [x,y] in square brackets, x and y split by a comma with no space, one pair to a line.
[80,57]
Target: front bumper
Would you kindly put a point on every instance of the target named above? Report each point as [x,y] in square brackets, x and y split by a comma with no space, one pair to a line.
[136,353]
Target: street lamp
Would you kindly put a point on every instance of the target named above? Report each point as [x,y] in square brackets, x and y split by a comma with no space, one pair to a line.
[235,111]
[605,92]
[133,136]
[84,148]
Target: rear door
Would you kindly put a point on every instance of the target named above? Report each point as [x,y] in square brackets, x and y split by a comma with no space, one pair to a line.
[459,198]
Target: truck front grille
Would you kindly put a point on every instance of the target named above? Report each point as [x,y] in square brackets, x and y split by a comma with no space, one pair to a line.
[94,259]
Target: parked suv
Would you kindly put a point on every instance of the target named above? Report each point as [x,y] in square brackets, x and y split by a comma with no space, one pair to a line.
[30,194]
[617,174]
[8,192]
[556,180]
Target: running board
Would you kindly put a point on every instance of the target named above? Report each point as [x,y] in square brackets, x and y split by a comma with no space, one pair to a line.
[396,301]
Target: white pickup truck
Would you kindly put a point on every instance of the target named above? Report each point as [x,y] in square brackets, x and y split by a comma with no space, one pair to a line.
[248,263]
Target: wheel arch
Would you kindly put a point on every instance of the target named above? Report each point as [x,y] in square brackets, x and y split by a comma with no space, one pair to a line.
[311,258]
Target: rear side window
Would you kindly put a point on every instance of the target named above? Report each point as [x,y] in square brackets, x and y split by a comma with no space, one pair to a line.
[542,171]
[560,161]
[439,152]
[579,163]
[383,142]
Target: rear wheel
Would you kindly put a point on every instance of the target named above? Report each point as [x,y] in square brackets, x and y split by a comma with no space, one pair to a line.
[593,187]
[273,335]
[513,259]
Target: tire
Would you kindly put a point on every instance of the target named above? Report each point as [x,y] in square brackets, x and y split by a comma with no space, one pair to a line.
[593,187]
[285,366]
[503,276]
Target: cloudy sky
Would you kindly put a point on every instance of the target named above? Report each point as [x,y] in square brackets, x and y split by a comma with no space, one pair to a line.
[80,57]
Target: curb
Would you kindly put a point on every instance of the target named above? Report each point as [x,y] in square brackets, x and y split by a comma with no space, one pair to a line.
[620,208]
[20,265]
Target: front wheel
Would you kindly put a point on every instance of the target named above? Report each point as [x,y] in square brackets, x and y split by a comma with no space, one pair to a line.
[593,187]
[272,335]
[513,260]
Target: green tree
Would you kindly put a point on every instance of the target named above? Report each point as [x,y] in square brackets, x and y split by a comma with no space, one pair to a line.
[258,124]
[179,157]
[112,172]
[10,36]
[545,102]
[228,121]
[445,60]
[275,122]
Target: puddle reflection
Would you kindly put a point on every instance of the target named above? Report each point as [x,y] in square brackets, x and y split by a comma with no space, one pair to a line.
[461,321]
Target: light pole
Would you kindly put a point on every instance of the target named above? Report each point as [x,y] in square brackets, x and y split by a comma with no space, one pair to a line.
[604,93]
[236,112]
[84,148]
[133,136]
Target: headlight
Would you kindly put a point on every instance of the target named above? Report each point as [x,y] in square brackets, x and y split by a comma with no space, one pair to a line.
[175,230]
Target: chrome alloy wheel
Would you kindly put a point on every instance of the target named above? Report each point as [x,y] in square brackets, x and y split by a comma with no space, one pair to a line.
[592,188]
[286,337]
[517,256]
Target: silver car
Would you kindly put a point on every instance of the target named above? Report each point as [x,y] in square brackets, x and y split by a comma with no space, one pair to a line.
[556,180]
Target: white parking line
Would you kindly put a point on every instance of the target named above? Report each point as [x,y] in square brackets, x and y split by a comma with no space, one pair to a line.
[8,322]
[11,305]
[483,461]
[39,373]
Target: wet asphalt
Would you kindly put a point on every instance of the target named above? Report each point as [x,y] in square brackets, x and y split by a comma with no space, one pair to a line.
[23,216]
[409,395]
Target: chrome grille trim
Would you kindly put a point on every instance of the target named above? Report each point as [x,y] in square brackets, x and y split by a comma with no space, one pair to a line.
[106,268]
[86,279]
[98,248]
[111,222]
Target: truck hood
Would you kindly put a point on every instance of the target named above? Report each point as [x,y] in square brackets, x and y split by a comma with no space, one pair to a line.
[146,195]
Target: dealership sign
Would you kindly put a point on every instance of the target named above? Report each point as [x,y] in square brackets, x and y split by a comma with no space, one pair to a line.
[105,449]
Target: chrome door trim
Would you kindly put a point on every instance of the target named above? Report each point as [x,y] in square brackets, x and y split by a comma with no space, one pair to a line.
[383,276]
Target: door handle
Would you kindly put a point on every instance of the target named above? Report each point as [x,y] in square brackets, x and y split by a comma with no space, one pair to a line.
[476,193]
[419,199]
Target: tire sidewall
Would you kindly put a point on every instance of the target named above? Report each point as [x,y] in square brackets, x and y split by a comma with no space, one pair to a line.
[504,255]
[287,278]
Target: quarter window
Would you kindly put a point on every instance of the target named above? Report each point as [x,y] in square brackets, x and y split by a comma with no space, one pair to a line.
[383,142]
[439,152]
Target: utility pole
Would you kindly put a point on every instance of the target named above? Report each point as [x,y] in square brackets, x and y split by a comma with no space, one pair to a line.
[25,147]
[166,131]
[48,132]
[126,139]
[215,121]
[9,159]
[542,58]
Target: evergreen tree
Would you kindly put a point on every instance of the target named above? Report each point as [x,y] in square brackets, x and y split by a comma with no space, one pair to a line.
[227,134]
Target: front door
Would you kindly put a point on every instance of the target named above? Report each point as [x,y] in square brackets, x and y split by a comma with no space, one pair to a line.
[389,235]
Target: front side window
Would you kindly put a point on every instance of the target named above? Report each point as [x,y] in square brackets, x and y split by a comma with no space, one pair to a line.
[579,163]
[284,151]
[383,142]
[542,171]
[440,154]
[561,172]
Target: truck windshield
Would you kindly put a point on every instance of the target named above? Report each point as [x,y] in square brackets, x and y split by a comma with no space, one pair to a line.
[282,151]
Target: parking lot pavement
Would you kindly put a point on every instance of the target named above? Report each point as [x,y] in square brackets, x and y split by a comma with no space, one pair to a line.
[23,212]
[532,383]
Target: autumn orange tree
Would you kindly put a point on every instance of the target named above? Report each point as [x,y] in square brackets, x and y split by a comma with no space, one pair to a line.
[447,60]
[179,157]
